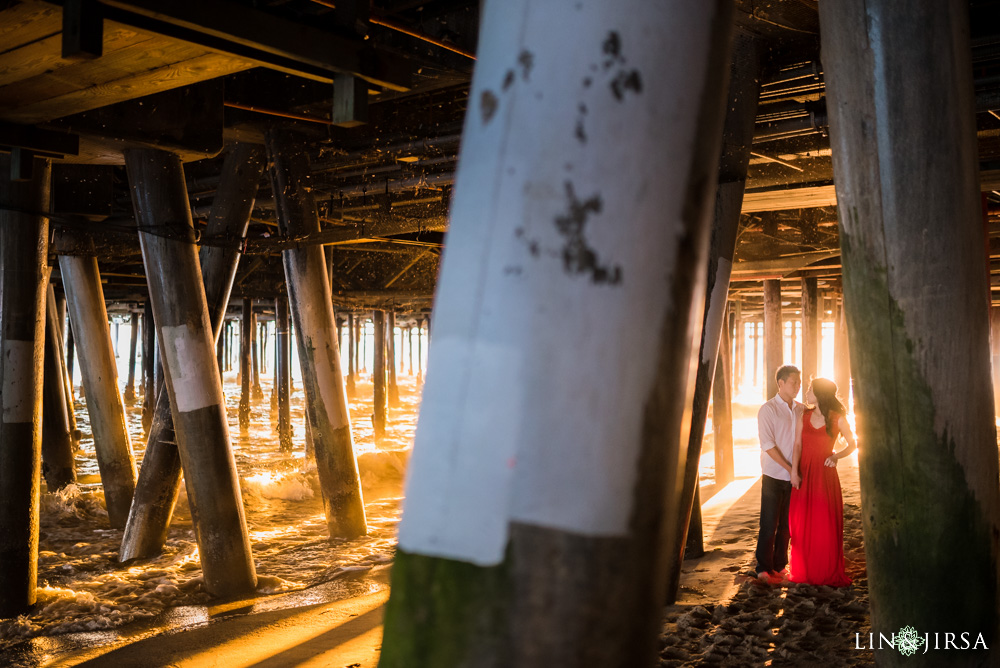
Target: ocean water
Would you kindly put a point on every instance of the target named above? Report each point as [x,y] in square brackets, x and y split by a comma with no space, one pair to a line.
[83,588]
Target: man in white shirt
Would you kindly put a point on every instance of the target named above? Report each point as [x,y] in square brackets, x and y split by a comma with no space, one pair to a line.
[776,423]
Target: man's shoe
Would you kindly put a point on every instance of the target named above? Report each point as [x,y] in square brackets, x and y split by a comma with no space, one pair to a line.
[764,577]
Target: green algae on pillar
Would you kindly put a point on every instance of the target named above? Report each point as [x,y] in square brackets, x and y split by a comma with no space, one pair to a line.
[917,307]
[536,387]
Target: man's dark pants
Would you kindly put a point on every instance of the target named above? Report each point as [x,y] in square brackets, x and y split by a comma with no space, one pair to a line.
[772,541]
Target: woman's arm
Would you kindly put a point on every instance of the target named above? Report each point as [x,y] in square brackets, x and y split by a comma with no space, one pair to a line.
[845,431]
[797,453]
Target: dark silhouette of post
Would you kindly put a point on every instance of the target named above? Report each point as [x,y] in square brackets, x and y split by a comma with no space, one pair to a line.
[378,376]
[246,333]
[23,282]
[133,337]
[58,463]
[148,366]
[684,536]
[282,371]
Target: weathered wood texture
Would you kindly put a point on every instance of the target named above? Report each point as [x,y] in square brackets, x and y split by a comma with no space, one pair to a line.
[85,301]
[194,386]
[160,476]
[311,303]
[37,84]
[282,371]
[899,89]
[737,136]
[25,275]
[554,460]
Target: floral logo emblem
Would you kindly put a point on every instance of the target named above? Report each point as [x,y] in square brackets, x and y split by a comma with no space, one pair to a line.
[907,641]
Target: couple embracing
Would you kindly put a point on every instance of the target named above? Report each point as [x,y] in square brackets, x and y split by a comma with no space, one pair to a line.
[800,499]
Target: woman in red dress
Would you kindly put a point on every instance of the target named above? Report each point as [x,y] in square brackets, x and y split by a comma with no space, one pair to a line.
[816,509]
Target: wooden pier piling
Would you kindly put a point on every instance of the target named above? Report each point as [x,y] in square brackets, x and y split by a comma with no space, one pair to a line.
[159,195]
[311,302]
[23,283]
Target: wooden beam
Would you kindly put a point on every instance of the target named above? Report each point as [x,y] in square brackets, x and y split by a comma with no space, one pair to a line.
[266,39]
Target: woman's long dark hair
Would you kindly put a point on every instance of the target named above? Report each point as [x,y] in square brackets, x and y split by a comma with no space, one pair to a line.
[827,401]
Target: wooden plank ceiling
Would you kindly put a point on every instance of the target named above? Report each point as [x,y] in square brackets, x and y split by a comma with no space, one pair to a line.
[37,85]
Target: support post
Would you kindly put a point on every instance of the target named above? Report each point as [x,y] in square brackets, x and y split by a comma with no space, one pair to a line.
[722,413]
[352,371]
[194,387]
[841,355]
[739,344]
[773,333]
[25,275]
[58,464]
[311,303]
[85,300]
[246,333]
[930,470]
[378,376]
[255,392]
[362,344]
[132,341]
[995,342]
[62,334]
[160,476]
[420,351]
[70,357]
[148,366]
[528,290]
[391,359]
[409,350]
[282,372]
[810,329]
[737,136]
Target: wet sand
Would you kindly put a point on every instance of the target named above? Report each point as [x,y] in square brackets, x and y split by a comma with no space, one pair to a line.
[726,617]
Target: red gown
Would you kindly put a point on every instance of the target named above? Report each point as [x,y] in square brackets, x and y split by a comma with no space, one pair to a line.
[816,512]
